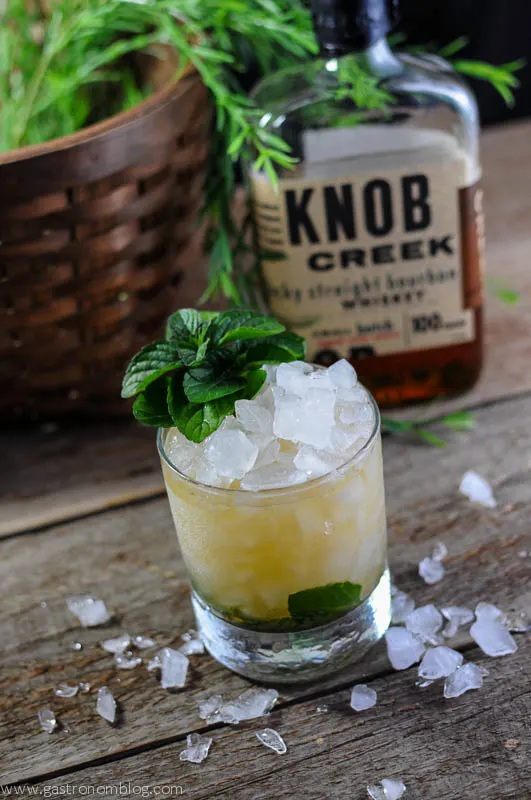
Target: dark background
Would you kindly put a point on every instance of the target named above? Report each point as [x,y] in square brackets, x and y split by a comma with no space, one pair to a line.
[499,31]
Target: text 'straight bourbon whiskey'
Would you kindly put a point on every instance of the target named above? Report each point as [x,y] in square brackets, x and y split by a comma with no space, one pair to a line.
[373,242]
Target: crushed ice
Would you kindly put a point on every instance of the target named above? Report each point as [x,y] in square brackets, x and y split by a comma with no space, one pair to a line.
[192,644]
[404,648]
[477,489]
[143,642]
[89,610]
[250,704]
[274,440]
[47,720]
[272,739]
[196,749]
[362,697]
[173,668]
[117,644]
[389,789]
[106,704]
[431,568]
[490,633]
[66,690]
[465,678]
[426,622]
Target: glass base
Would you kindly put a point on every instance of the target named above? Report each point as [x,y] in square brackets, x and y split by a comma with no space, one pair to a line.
[283,657]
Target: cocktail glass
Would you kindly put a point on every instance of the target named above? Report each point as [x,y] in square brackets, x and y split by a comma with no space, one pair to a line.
[253,556]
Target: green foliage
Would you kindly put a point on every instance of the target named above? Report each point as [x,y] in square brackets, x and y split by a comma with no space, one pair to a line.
[458,421]
[207,362]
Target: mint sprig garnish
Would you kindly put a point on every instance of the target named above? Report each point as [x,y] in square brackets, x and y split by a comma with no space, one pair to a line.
[208,360]
[317,606]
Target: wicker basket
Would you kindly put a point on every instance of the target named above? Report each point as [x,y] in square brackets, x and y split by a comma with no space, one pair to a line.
[97,231]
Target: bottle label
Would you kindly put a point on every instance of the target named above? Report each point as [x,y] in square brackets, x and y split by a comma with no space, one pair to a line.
[373,264]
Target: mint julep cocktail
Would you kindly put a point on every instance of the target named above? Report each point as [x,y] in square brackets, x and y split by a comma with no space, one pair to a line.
[279,510]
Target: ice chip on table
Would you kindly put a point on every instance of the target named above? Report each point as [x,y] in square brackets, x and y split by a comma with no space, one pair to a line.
[394,789]
[431,569]
[272,739]
[362,697]
[389,789]
[273,476]
[231,453]
[174,668]
[305,420]
[47,720]
[250,704]
[124,661]
[439,662]
[192,644]
[196,749]
[402,604]
[254,418]
[89,610]
[464,679]
[209,708]
[84,687]
[117,644]
[154,663]
[342,374]
[143,642]
[477,489]
[458,617]
[66,690]
[404,648]
[106,704]
[183,453]
[491,635]
[316,462]
[205,473]
[426,621]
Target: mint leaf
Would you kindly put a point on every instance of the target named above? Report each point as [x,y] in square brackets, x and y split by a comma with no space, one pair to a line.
[237,324]
[151,406]
[459,421]
[316,606]
[214,378]
[148,365]
[255,380]
[282,347]
[197,421]
[187,325]
[191,355]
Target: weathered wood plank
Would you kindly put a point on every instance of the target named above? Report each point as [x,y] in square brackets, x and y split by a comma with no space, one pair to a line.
[129,557]
[52,477]
[475,746]
[48,477]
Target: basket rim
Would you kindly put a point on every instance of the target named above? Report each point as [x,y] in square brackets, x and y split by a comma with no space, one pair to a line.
[143,109]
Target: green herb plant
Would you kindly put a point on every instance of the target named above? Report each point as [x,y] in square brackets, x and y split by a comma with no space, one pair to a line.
[208,360]
[77,64]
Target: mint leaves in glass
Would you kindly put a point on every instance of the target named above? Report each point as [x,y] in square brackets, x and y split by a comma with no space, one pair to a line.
[274,476]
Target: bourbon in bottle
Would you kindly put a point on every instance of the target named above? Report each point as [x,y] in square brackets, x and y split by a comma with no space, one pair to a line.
[372,246]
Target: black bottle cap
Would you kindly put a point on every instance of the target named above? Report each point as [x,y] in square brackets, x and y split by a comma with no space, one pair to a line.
[342,26]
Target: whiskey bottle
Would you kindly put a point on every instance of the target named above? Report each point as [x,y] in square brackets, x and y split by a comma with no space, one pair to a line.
[372,246]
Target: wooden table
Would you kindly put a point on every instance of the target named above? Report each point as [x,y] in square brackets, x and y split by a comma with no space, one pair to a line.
[84,511]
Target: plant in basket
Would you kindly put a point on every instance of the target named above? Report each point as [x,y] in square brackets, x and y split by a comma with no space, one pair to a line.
[122,123]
